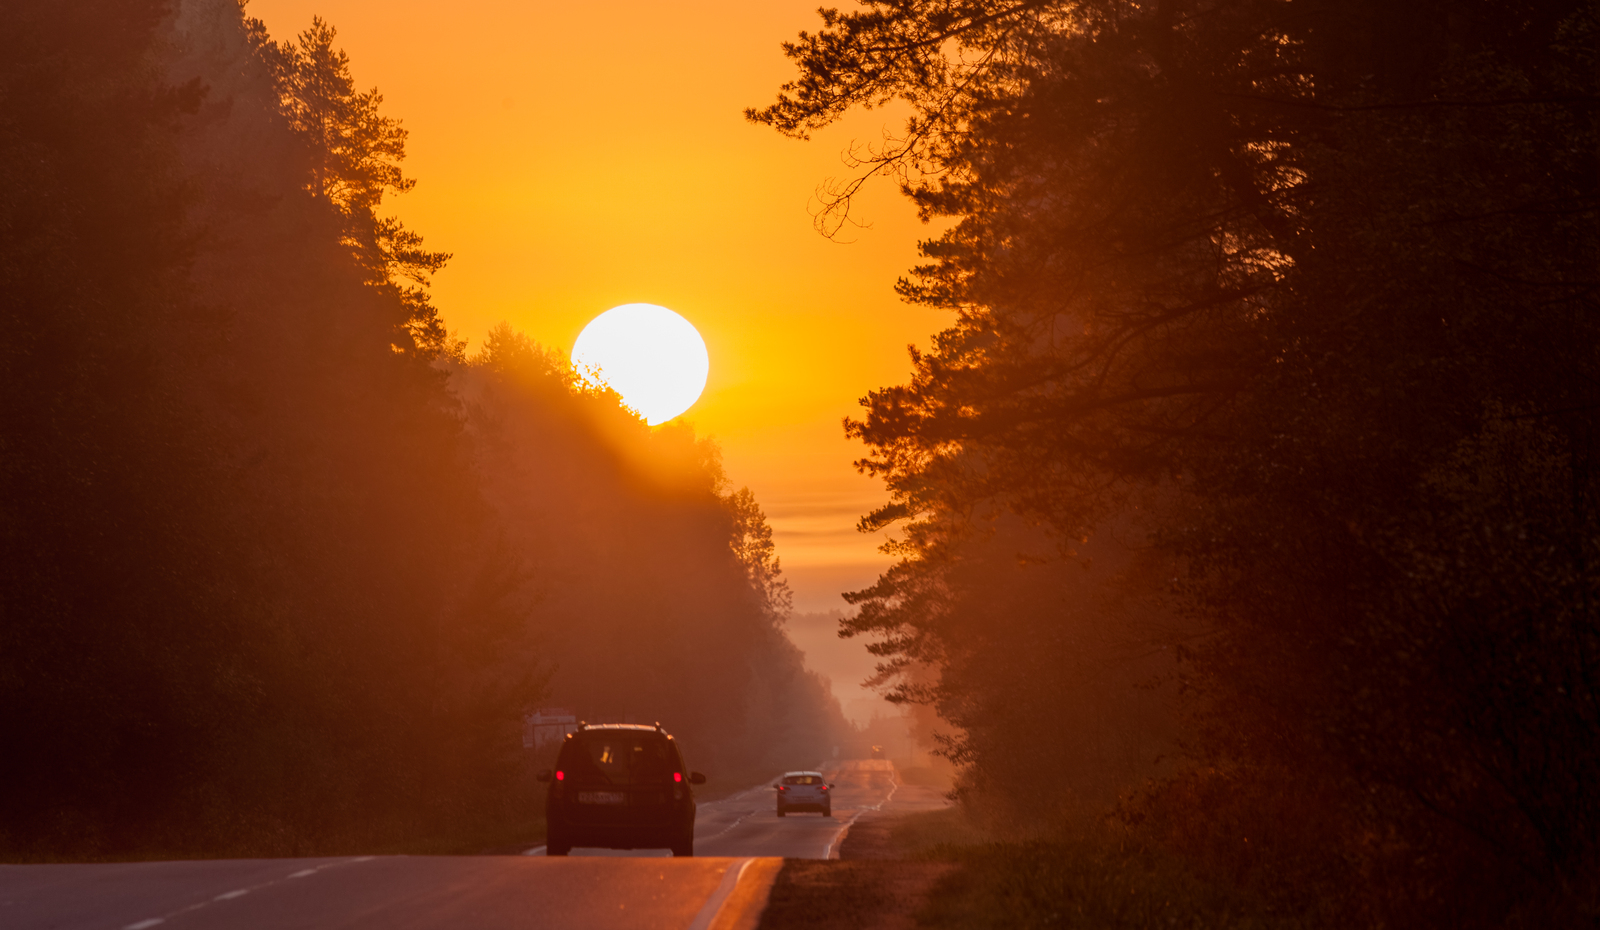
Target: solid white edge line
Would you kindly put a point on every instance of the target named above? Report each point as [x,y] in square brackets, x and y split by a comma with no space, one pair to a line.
[832,852]
[713,905]
[838,838]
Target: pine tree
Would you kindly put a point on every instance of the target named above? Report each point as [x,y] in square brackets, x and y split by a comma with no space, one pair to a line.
[357,153]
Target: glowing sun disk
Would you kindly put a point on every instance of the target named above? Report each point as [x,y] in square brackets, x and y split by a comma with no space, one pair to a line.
[651,356]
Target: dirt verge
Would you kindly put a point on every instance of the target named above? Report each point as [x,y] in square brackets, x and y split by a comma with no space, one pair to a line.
[821,894]
[873,883]
[870,837]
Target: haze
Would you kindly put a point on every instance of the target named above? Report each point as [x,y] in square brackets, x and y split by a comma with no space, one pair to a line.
[579,156]
[1237,494]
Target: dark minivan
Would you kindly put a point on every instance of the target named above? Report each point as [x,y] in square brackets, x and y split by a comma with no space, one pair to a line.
[620,786]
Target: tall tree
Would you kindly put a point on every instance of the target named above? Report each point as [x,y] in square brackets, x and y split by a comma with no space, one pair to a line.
[1304,292]
[754,548]
[119,672]
[356,156]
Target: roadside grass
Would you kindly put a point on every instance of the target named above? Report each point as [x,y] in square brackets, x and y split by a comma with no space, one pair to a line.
[1091,882]
[939,834]
[830,894]
[506,838]
[511,827]
[940,870]
[924,775]
[513,832]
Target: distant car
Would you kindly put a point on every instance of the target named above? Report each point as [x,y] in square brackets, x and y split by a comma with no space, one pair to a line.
[804,791]
[620,786]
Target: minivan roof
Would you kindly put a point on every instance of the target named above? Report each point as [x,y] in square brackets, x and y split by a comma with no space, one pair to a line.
[620,726]
[801,772]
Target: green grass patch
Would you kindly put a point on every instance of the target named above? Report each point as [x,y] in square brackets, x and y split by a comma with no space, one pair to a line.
[934,834]
[924,775]
[824,894]
[1094,882]
[1103,879]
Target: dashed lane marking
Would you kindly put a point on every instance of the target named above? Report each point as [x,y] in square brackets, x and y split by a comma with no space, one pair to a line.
[241,892]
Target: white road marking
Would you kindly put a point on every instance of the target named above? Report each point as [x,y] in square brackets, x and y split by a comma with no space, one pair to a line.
[832,852]
[730,826]
[730,881]
[241,892]
[535,851]
[838,838]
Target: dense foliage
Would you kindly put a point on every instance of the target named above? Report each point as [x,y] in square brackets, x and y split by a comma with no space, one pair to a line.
[283,568]
[1278,319]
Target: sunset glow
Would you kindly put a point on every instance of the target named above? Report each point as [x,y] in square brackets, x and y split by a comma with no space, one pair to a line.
[533,168]
[651,356]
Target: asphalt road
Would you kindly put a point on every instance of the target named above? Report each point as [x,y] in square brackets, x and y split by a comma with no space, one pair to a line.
[611,891]
[748,824]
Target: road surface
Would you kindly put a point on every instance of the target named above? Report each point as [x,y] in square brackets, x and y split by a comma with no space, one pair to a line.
[722,887]
[747,824]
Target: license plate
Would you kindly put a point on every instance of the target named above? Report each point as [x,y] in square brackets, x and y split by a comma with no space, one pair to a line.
[602,797]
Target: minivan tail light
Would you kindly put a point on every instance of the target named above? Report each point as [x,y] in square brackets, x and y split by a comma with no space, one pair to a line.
[560,775]
[677,776]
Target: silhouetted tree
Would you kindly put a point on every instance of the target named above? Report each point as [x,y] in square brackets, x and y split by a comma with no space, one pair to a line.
[1303,294]
[755,550]
[270,584]
[119,670]
[356,155]
[660,593]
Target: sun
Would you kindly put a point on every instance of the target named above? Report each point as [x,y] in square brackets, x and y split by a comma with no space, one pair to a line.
[651,356]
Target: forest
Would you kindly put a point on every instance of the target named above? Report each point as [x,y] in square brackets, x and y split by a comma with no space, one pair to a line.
[285,564]
[1245,512]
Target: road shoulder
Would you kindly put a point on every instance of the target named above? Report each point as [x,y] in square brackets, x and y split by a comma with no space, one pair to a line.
[752,890]
[877,881]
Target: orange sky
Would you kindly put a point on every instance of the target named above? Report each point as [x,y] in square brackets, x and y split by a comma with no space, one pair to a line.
[576,156]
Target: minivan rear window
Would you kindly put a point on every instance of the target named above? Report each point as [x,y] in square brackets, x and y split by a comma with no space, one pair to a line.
[619,758]
[802,780]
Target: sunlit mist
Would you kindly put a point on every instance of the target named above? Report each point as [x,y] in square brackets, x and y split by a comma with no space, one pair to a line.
[650,355]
